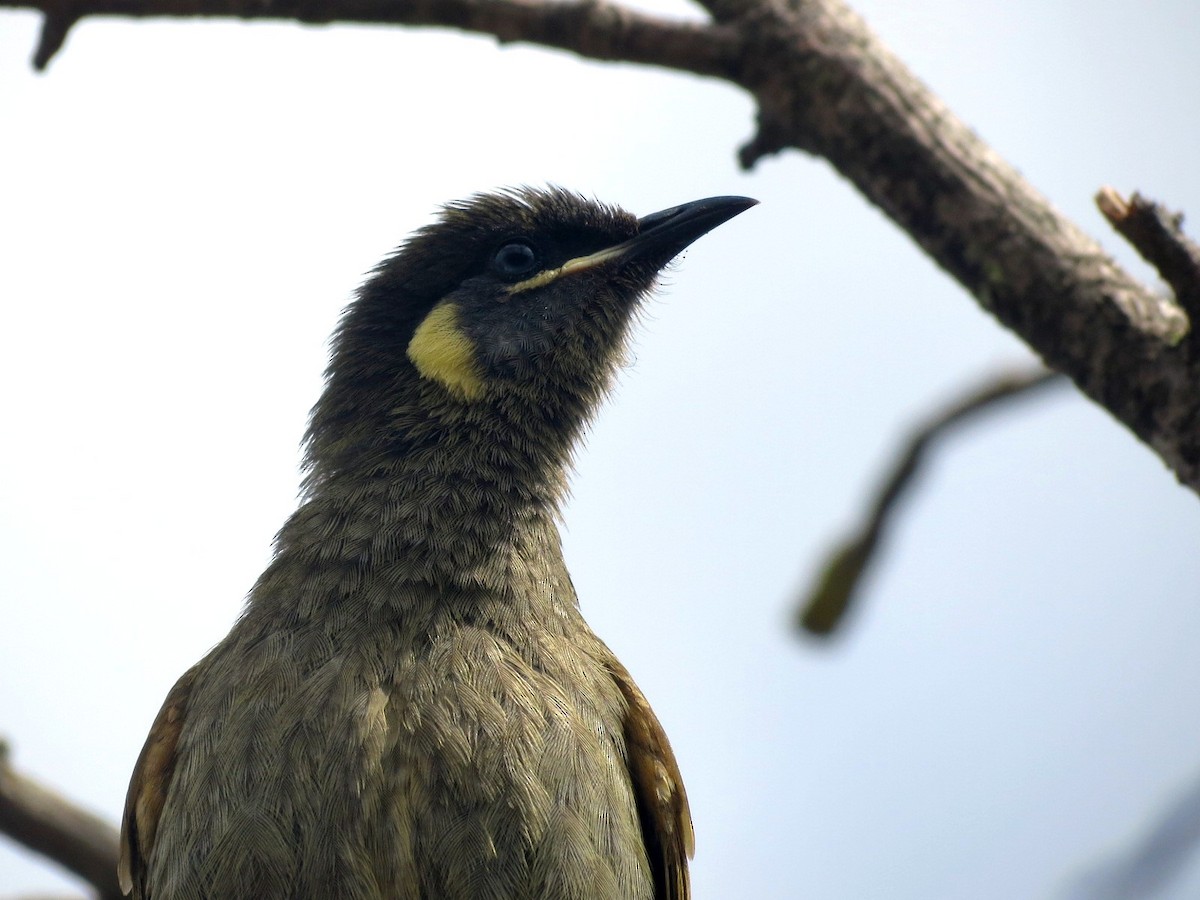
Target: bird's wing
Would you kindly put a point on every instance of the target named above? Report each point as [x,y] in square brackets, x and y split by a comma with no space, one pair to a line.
[658,787]
[149,785]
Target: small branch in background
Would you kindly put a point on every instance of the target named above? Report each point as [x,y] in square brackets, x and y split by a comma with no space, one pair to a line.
[1153,863]
[1157,234]
[51,825]
[824,608]
[55,25]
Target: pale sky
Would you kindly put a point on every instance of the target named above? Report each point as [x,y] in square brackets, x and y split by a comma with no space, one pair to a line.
[186,207]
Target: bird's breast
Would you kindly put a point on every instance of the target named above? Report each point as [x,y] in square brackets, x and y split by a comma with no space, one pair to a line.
[408,763]
[505,764]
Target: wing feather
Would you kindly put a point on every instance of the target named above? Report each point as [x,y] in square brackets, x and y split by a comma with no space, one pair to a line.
[149,786]
[658,787]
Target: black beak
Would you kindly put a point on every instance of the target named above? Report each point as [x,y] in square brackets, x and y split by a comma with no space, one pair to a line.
[661,236]
[667,232]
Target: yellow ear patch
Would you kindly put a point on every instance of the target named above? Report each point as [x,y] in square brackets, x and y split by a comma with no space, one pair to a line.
[442,352]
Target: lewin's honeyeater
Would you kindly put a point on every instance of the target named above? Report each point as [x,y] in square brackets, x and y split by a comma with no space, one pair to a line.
[411,705]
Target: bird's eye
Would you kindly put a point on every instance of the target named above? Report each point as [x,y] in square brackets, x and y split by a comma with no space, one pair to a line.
[515,258]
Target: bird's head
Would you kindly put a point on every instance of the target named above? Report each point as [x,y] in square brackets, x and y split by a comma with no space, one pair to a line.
[508,311]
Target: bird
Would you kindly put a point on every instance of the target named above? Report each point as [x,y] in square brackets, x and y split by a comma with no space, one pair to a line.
[410,704]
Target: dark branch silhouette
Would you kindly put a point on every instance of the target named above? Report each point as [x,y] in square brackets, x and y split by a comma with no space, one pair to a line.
[840,579]
[1154,861]
[596,29]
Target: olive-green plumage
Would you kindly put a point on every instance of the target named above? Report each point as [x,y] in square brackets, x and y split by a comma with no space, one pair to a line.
[411,705]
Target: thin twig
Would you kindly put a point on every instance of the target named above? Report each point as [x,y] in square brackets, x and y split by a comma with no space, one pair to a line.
[1157,234]
[837,585]
[1155,861]
[56,24]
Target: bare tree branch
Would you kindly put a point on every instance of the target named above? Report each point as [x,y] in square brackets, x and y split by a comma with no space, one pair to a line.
[826,85]
[591,28]
[49,824]
[837,585]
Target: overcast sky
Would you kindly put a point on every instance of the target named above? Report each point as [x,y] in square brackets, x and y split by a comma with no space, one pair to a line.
[186,207]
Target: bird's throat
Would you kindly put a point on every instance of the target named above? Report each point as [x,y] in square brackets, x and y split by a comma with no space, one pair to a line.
[456,520]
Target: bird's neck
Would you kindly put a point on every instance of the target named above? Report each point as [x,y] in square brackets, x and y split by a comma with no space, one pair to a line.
[454,515]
